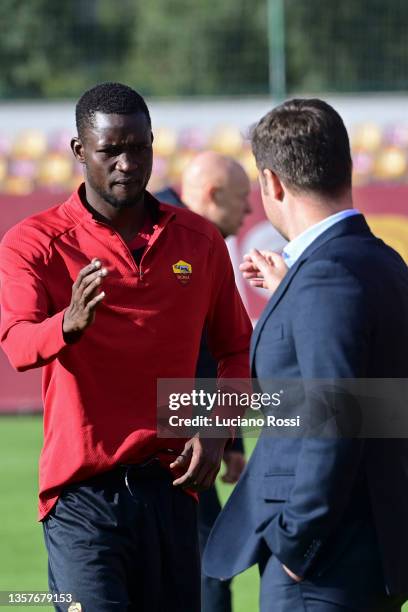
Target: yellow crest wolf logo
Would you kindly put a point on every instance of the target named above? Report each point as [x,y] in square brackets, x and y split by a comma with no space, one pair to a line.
[182,271]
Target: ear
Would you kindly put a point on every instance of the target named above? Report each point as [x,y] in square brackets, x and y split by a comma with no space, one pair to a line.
[78,149]
[214,195]
[273,184]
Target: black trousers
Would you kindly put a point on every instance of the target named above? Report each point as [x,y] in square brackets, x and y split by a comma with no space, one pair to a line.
[215,594]
[125,541]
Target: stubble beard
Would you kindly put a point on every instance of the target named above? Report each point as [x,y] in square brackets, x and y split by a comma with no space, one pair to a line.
[110,198]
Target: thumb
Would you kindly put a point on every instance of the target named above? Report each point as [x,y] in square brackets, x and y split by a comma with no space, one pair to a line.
[277,260]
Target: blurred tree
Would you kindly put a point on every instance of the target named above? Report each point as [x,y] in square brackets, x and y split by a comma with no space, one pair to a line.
[165,47]
[348,46]
[56,49]
[182,47]
[191,47]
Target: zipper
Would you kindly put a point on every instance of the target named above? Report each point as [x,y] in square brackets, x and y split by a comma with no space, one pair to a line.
[156,235]
[137,268]
[130,256]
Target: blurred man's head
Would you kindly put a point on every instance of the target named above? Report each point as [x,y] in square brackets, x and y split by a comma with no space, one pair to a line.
[217,188]
[302,152]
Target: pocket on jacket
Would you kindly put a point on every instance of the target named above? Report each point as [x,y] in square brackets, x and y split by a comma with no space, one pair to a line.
[277,487]
[271,333]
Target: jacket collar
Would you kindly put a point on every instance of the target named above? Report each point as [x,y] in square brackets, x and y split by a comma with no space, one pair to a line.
[355,224]
[76,208]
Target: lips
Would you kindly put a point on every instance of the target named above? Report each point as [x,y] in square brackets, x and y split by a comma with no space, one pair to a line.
[125,182]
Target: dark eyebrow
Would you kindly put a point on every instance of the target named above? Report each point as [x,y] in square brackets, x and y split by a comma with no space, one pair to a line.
[108,147]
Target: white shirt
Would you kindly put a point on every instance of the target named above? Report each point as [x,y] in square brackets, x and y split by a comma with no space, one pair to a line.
[294,249]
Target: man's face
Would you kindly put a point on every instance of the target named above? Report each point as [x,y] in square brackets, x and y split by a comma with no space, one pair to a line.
[117,153]
[233,204]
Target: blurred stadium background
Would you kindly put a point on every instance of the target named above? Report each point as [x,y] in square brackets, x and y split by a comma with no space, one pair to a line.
[208,71]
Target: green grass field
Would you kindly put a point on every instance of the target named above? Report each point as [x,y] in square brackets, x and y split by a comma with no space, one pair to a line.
[23,565]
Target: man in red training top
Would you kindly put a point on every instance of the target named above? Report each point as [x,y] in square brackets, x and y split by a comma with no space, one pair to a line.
[90,291]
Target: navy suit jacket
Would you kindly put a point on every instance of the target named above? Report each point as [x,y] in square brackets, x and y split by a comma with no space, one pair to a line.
[340,312]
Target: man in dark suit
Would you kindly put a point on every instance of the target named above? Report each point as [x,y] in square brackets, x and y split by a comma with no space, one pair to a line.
[324,517]
[217,188]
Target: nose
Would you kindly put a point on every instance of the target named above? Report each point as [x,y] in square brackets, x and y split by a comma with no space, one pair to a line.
[126,163]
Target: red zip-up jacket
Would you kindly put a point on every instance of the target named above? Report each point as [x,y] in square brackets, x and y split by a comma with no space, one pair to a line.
[99,394]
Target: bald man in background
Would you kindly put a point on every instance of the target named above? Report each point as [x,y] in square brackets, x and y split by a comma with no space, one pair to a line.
[217,188]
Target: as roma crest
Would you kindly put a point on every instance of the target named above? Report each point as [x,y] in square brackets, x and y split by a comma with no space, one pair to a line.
[183,271]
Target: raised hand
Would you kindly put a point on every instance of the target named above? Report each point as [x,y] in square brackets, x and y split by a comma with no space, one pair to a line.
[264,269]
[80,314]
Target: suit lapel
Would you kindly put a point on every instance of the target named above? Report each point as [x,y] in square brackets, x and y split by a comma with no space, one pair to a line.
[351,225]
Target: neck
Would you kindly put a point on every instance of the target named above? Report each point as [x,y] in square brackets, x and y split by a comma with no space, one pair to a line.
[127,221]
[303,213]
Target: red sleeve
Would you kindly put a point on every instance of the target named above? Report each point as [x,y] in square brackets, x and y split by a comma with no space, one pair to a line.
[28,335]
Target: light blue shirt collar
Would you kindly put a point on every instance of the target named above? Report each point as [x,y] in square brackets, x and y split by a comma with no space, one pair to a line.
[294,249]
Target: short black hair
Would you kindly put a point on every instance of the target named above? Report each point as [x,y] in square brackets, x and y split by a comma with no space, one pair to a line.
[108,98]
[305,143]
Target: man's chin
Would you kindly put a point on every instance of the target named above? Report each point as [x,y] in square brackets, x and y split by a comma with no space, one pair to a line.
[118,204]
[124,202]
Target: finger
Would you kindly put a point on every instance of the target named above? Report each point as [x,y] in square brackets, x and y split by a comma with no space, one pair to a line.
[202,477]
[291,574]
[191,474]
[186,480]
[227,478]
[281,265]
[269,254]
[92,267]
[184,458]
[180,462]
[89,292]
[90,278]
[232,471]
[260,261]
[254,274]
[95,301]
[250,273]
[232,477]
[276,259]
[268,270]
[249,270]
[247,266]
[257,282]
[202,481]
